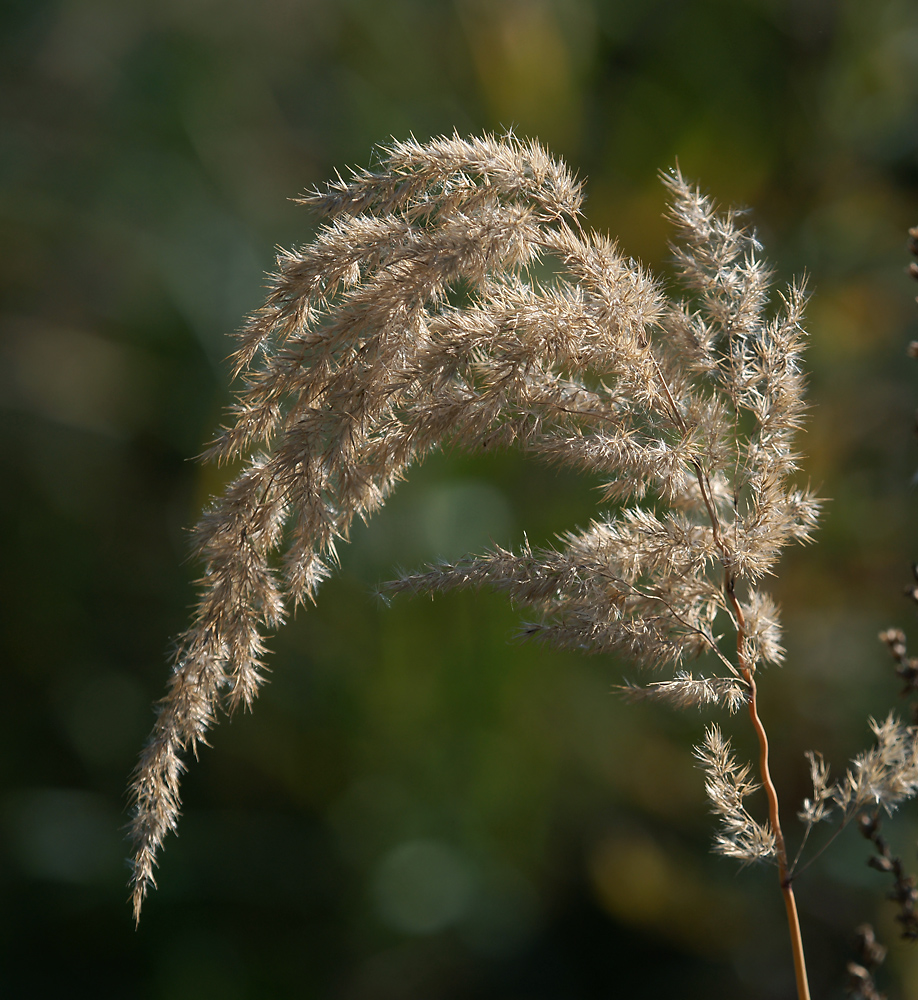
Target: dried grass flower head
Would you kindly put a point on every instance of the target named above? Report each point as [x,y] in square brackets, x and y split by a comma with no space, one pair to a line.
[421,315]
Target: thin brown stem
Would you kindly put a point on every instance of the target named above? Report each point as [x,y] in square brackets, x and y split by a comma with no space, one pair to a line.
[746,670]
[790,904]
[786,880]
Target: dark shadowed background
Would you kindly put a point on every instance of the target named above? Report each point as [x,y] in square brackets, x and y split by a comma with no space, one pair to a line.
[419,807]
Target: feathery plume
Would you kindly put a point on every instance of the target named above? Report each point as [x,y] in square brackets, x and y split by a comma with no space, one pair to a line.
[421,315]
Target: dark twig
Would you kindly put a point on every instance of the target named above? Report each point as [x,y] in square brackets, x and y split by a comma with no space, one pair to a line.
[860,974]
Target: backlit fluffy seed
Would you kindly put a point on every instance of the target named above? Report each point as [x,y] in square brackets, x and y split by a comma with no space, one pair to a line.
[727,785]
[416,318]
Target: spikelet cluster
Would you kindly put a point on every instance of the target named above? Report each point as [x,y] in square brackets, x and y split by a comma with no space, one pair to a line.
[882,777]
[454,296]
[727,786]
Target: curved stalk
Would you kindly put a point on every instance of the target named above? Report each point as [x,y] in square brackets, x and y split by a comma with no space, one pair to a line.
[746,671]
[790,904]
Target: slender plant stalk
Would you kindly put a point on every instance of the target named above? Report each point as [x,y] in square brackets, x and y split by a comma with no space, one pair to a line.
[747,672]
[790,904]
[771,793]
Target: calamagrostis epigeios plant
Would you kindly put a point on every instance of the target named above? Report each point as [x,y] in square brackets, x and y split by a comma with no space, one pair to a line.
[423,314]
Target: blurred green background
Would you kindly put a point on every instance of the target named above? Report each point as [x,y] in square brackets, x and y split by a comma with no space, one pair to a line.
[418,807]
